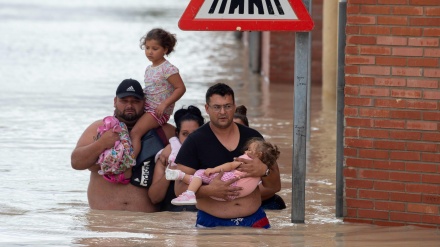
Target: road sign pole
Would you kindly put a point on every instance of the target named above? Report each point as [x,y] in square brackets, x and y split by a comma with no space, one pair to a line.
[340,110]
[301,84]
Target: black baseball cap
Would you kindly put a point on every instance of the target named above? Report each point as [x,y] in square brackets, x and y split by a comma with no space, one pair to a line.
[130,87]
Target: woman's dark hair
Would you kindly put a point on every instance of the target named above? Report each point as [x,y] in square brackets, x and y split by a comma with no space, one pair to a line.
[240,113]
[191,113]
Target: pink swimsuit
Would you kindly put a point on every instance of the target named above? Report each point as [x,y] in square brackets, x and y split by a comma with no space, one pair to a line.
[248,183]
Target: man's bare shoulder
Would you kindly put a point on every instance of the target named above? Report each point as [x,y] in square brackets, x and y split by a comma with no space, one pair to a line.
[90,133]
[93,127]
[96,123]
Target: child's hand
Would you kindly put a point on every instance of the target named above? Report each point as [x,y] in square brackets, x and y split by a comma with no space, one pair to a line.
[209,171]
[160,109]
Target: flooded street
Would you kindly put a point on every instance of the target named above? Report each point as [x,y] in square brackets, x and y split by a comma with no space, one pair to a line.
[61,63]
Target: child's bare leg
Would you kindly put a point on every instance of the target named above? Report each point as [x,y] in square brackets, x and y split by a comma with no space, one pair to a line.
[186,178]
[195,184]
[142,126]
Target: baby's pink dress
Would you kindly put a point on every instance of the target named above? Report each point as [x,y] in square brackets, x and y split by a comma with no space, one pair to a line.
[119,158]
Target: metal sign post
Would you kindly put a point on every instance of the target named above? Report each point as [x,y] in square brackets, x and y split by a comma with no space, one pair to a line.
[300,131]
[340,110]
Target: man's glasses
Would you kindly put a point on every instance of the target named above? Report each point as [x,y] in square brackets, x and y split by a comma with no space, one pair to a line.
[218,108]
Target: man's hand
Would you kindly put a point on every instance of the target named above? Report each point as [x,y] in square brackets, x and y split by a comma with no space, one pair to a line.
[108,139]
[221,189]
[162,160]
[256,168]
[253,168]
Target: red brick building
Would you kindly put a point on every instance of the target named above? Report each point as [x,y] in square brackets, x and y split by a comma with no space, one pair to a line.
[392,117]
[278,51]
[392,103]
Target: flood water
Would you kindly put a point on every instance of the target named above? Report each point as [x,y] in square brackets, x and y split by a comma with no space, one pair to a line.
[60,64]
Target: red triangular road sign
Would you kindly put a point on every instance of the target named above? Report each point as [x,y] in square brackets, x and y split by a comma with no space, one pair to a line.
[246,15]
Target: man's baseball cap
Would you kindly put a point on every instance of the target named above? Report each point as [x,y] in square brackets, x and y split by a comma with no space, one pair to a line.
[130,87]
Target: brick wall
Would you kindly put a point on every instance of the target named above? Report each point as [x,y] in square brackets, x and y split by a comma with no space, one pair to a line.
[278,52]
[392,117]
[282,57]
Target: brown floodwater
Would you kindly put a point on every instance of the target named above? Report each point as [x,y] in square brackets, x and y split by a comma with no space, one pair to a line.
[60,64]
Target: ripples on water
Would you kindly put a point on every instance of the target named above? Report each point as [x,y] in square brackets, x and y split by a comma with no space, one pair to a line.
[61,62]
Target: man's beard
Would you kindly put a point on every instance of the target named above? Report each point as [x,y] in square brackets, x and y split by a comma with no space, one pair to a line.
[126,117]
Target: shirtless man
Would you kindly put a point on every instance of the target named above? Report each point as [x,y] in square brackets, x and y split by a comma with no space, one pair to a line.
[104,195]
[217,142]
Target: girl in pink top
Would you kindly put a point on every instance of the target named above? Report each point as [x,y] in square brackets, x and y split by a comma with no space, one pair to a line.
[256,148]
[163,84]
